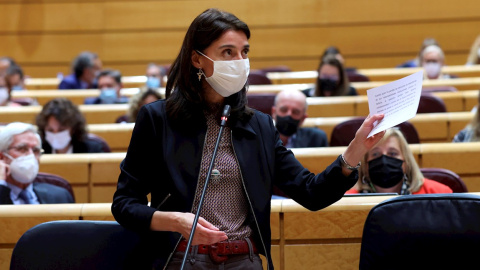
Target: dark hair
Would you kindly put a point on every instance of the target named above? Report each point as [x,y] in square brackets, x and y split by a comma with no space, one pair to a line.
[115,74]
[331,50]
[82,61]
[14,69]
[343,85]
[137,100]
[184,92]
[67,114]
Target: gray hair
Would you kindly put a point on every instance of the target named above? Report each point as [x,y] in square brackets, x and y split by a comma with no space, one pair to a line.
[433,48]
[9,131]
[82,61]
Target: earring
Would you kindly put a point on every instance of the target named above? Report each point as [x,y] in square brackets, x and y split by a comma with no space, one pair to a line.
[199,73]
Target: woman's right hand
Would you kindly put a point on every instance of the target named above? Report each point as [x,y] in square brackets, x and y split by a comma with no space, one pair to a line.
[205,232]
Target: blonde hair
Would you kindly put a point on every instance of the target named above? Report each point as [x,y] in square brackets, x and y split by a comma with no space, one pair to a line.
[473,58]
[412,171]
[475,123]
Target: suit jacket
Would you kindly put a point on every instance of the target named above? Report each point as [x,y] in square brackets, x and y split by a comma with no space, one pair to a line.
[72,82]
[46,193]
[310,137]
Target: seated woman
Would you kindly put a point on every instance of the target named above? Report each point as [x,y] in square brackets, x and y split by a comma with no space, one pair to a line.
[390,167]
[332,80]
[474,55]
[143,97]
[62,128]
[471,133]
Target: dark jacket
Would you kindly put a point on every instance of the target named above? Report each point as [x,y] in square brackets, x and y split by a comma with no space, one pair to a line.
[45,192]
[86,146]
[165,161]
[310,137]
[72,82]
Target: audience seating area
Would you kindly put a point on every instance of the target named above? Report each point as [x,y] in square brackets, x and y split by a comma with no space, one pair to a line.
[94,176]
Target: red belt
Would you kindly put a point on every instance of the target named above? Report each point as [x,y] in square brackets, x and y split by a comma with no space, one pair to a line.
[219,252]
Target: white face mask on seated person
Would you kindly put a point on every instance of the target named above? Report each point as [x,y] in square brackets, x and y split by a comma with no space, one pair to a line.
[3,94]
[58,140]
[23,169]
[229,77]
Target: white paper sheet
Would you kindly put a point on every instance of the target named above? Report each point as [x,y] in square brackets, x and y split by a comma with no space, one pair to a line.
[397,100]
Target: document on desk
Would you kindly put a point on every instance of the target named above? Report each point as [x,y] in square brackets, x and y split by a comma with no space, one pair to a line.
[397,100]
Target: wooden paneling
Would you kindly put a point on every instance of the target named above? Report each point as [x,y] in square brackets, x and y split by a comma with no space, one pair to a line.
[44,37]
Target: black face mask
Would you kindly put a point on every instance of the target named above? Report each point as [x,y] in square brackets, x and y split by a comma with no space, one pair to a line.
[328,86]
[385,171]
[286,125]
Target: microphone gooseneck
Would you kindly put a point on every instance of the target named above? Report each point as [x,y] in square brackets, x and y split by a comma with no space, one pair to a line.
[223,122]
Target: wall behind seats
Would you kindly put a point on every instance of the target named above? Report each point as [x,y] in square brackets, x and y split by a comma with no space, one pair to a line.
[44,36]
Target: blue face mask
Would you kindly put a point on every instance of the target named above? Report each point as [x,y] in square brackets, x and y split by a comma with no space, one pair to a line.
[17,87]
[153,82]
[108,96]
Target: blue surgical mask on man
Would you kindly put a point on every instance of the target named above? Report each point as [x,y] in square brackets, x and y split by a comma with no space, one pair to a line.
[153,82]
[108,95]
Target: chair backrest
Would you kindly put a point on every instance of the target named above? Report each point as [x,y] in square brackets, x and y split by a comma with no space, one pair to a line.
[54,180]
[105,146]
[344,132]
[258,77]
[80,244]
[431,104]
[446,177]
[354,76]
[262,102]
[430,231]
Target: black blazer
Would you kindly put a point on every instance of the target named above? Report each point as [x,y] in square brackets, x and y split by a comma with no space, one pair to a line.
[46,193]
[310,137]
[165,161]
[86,146]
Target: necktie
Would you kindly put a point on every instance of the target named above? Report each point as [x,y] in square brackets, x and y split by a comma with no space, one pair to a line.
[25,196]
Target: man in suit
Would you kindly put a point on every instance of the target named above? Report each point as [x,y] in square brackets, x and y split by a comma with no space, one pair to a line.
[289,111]
[20,150]
[110,84]
[85,67]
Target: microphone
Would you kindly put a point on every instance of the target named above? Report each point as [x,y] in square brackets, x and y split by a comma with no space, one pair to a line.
[223,122]
[225,115]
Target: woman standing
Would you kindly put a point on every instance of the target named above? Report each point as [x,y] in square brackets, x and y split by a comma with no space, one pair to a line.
[172,145]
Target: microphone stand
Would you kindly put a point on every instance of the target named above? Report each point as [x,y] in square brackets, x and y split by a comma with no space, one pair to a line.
[223,122]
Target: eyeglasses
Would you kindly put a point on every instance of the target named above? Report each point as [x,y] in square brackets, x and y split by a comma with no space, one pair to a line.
[25,149]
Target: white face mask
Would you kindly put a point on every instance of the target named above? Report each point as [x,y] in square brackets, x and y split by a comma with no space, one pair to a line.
[58,140]
[3,95]
[23,169]
[432,69]
[229,77]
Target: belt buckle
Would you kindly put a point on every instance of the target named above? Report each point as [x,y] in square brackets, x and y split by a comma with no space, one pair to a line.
[213,253]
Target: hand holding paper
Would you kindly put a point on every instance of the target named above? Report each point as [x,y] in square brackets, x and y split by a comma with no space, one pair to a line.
[398,101]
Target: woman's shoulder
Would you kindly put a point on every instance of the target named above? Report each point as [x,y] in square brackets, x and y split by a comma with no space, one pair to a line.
[432,186]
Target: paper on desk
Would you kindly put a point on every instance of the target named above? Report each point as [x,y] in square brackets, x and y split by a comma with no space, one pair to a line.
[398,101]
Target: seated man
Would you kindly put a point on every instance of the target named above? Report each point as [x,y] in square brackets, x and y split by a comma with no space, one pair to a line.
[110,84]
[20,150]
[15,78]
[85,67]
[289,111]
[154,76]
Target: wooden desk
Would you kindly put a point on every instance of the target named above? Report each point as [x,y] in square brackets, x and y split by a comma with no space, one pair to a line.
[52,83]
[94,114]
[374,74]
[76,96]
